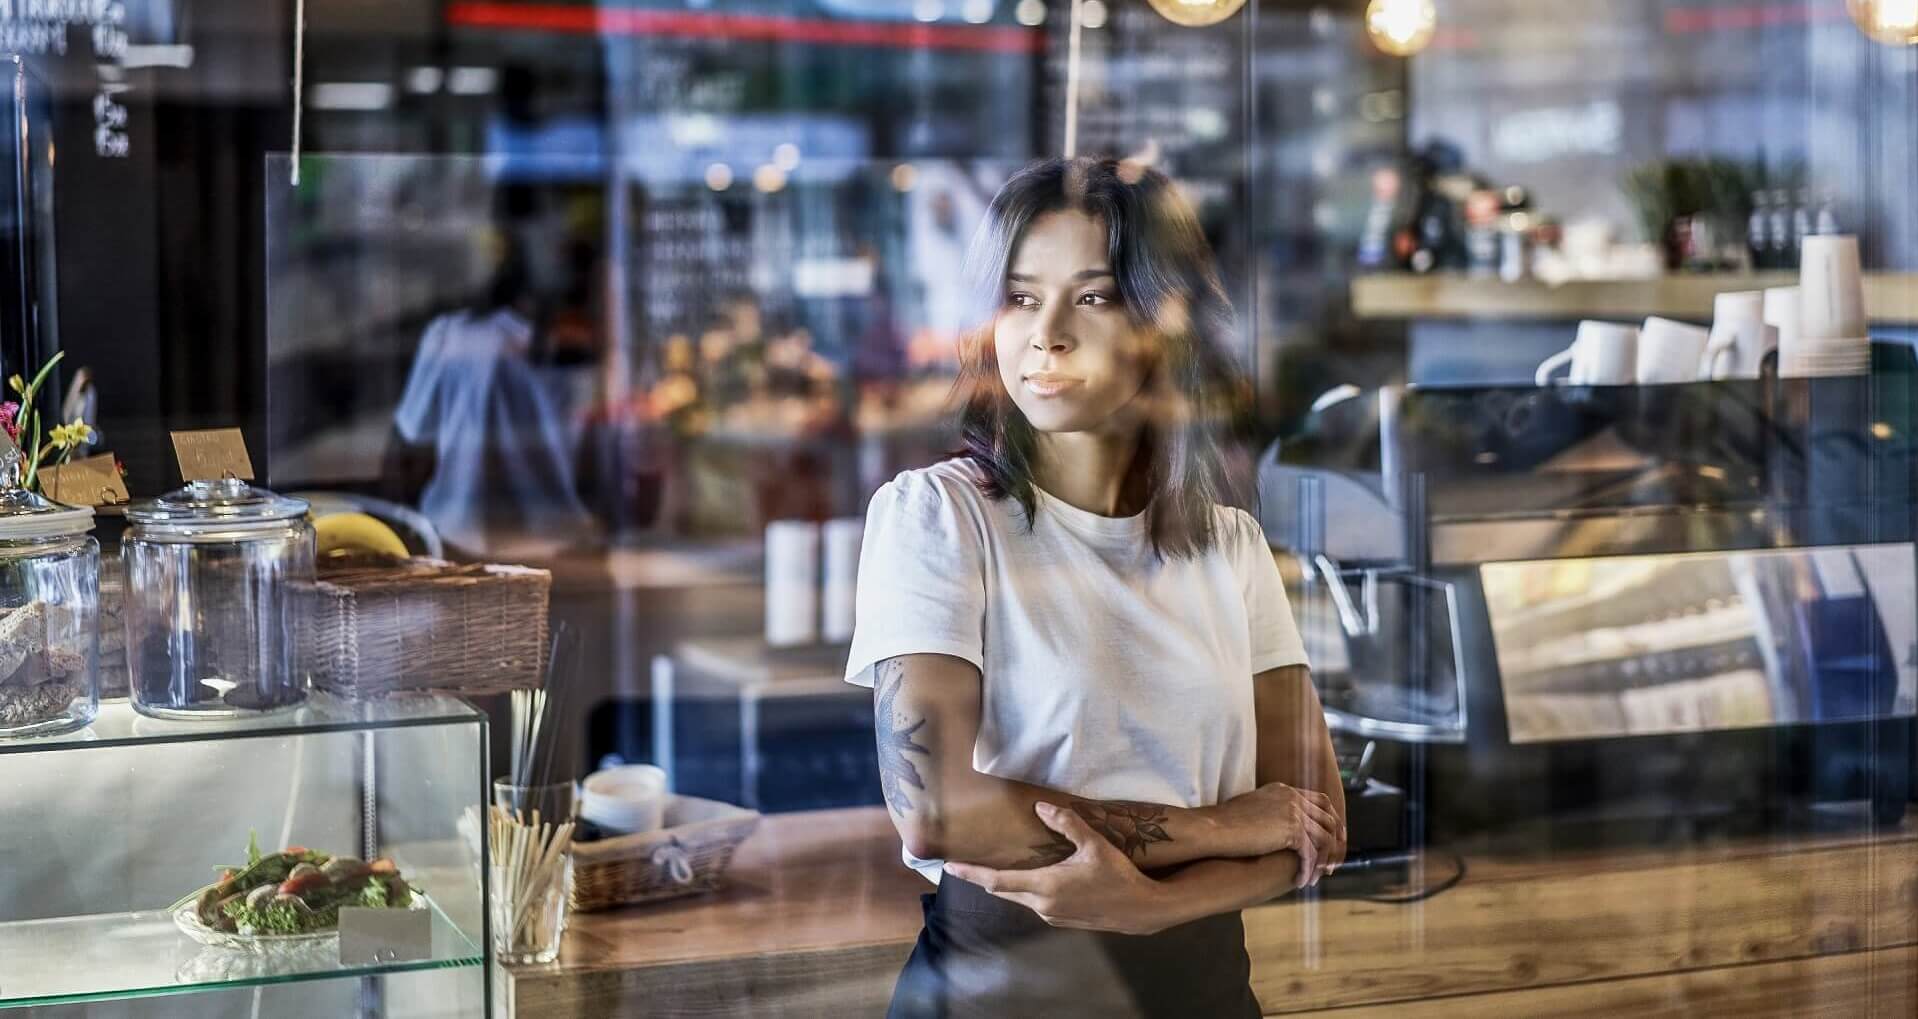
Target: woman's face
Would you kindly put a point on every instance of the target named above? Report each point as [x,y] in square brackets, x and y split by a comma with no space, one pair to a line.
[1069,353]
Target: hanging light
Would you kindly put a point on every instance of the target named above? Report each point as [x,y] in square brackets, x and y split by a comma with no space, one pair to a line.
[1892,22]
[1197,12]
[1402,27]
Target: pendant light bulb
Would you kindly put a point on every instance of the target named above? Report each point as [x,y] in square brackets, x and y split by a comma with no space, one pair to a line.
[1197,12]
[1892,22]
[1403,27]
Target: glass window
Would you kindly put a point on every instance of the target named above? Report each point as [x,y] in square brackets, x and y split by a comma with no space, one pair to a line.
[1226,507]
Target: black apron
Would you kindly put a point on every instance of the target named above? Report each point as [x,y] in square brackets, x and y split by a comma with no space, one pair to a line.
[980,955]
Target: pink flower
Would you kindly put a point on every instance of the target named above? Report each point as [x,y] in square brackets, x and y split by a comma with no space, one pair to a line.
[10,419]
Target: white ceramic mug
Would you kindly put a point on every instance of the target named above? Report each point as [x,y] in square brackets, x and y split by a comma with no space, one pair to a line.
[627,799]
[1739,336]
[1603,354]
[1668,351]
[1831,289]
[1781,313]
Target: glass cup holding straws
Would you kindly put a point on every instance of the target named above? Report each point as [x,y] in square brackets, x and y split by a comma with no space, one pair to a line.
[531,829]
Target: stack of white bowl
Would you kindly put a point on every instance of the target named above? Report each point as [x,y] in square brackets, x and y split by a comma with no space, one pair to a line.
[1830,337]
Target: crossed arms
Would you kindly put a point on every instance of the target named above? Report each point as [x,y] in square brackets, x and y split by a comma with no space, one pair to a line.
[1107,864]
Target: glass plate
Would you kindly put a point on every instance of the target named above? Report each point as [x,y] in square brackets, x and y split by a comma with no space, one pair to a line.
[186,917]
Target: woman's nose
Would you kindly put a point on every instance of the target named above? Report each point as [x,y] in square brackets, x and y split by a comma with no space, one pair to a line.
[1050,334]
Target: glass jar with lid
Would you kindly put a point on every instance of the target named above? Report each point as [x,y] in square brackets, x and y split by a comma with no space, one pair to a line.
[216,573]
[49,611]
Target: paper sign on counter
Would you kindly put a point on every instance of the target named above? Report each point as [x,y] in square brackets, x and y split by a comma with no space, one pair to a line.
[211,454]
[374,936]
[93,481]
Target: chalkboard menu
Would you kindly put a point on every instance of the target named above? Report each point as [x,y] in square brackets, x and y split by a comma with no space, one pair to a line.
[690,252]
[1148,86]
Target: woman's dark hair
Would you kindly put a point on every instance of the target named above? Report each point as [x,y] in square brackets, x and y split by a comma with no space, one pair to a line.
[1169,286]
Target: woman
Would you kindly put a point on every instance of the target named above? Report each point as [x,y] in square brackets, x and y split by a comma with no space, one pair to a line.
[1096,730]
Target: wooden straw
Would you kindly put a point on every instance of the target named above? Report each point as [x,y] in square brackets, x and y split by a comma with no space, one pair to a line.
[531,858]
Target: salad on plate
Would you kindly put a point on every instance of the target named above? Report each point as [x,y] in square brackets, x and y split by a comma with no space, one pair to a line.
[296,891]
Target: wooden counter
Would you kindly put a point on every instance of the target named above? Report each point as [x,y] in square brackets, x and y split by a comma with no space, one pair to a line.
[1889,297]
[821,914]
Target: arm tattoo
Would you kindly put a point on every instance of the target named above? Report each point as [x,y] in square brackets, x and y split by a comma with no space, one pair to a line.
[1048,853]
[1128,825]
[894,739]
[1131,828]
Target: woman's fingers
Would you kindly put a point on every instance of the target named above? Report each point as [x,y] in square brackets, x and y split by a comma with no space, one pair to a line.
[1067,823]
[1000,881]
[1322,814]
[1308,862]
[1316,846]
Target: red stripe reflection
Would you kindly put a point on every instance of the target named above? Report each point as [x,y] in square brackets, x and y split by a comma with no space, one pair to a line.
[1681,20]
[584,20]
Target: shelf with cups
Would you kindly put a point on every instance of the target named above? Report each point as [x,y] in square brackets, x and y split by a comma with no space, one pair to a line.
[1889,297]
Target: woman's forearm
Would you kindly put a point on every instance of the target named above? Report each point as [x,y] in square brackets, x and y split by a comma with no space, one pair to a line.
[926,724]
[1209,887]
[988,820]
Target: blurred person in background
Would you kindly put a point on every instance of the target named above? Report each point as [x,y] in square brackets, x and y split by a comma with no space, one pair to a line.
[488,433]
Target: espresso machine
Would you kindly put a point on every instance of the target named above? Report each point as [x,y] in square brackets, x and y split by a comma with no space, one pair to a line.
[1576,615]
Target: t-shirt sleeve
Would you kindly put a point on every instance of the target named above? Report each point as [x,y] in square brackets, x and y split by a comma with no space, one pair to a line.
[921,586]
[1275,634]
[417,416]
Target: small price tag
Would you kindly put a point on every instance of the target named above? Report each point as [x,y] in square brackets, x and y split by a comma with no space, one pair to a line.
[211,454]
[372,936]
[94,481]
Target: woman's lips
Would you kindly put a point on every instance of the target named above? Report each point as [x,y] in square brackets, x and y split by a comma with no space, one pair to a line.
[1049,383]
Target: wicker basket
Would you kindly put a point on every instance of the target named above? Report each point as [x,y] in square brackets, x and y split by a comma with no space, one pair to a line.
[424,624]
[686,857]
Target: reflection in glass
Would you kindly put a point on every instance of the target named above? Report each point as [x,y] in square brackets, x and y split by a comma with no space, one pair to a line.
[1591,648]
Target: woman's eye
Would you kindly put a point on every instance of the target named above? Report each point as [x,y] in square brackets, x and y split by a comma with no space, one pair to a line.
[1093,299]
[1019,300]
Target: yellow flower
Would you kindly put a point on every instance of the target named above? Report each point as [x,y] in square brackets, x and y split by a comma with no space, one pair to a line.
[78,433]
[18,384]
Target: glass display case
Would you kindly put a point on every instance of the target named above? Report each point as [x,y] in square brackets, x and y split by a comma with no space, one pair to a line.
[112,830]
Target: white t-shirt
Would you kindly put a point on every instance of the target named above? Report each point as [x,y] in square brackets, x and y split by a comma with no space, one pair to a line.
[1108,672]
[505,431]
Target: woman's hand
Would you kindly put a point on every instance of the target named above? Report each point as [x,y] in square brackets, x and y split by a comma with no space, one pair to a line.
[1096,888]
[1276,817]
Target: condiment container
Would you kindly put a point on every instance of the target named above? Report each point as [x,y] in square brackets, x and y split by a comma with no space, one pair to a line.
[217,573]
[49,613]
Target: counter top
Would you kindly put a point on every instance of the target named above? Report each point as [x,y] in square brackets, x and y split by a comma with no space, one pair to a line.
[817,906]
[1889,297]
[820,914]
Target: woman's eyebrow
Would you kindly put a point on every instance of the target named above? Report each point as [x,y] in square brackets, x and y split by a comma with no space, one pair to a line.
[1077,277]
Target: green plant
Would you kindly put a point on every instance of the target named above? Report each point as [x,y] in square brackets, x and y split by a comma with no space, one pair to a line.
[1665,189]
[21,419]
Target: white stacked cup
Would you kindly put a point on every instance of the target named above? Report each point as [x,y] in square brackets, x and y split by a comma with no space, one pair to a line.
[1832,337]
[1603,354]
[1740,339]
[792,583]
[1781,313]
[842,539]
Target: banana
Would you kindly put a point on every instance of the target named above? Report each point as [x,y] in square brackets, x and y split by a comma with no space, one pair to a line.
[356,532]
